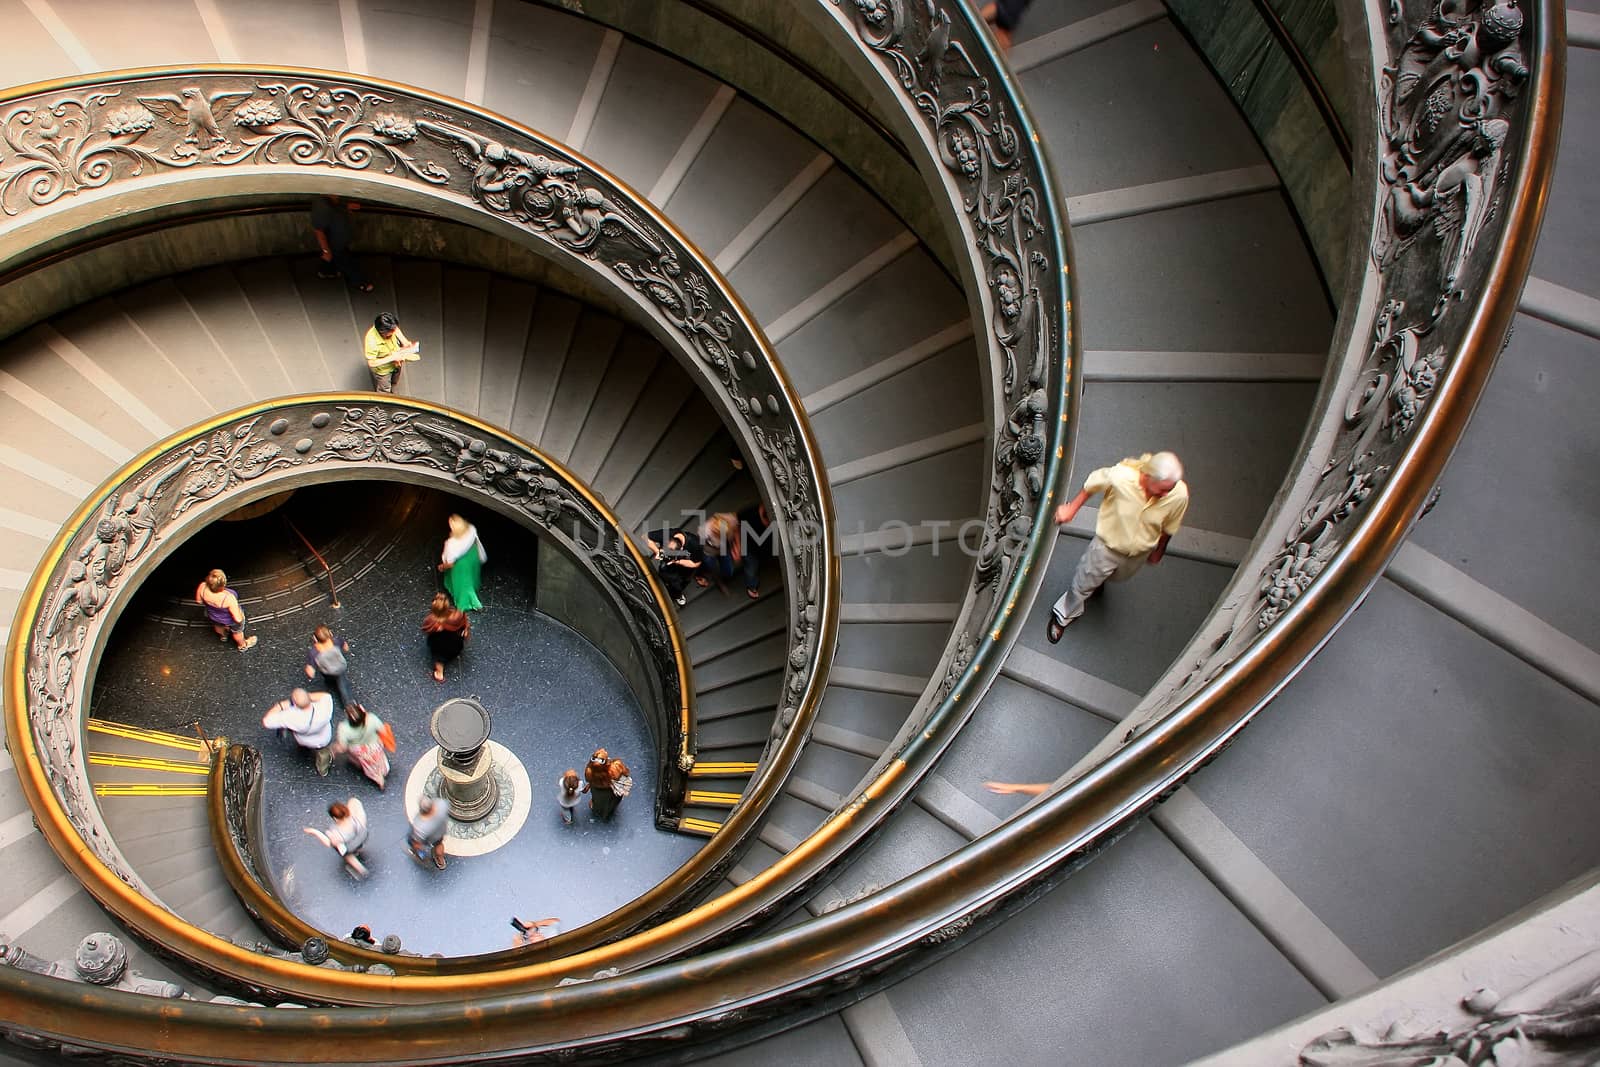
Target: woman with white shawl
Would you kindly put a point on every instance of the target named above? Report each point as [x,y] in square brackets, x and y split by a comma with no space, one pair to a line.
[462,564]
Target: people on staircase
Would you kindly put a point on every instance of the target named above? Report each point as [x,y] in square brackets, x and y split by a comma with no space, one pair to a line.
[330,222]
[360,738]
[677,557]
[387,350]
[462,564]
[757,542]
[447,628]
[1142,505]
[309,717]
[719,548]
[347,835]
[329,656]
[222,609]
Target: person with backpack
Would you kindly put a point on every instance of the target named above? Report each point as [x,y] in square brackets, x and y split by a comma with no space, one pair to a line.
[328,655]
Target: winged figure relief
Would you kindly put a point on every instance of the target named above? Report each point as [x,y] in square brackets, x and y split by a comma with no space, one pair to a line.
[199,115]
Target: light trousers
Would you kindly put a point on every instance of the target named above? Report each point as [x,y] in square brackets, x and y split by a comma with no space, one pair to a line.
[1096,567]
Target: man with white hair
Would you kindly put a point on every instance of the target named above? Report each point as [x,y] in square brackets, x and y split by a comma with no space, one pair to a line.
[1142,507]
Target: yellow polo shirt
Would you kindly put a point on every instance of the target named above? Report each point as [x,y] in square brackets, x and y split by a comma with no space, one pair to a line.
[1130,522]
[380,348]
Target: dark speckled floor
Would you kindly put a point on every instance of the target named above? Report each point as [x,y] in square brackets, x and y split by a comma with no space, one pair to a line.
[553,696]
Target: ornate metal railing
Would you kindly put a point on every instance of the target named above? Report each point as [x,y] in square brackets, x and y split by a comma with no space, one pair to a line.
[1413,381]
[178,136]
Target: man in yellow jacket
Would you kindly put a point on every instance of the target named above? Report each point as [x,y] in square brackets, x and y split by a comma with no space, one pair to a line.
[1142,507]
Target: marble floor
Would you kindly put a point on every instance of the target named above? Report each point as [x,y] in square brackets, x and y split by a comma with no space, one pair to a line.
[553,697]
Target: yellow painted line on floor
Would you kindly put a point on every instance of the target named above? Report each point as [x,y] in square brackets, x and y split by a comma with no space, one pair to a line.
[147,789]
[712,799]
[721,770]
[699,826]
[152,737]
[146,763]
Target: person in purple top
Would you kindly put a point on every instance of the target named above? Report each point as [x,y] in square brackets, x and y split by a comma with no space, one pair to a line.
[222,609]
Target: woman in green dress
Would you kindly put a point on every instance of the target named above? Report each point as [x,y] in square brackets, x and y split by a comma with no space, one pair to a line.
[462,564]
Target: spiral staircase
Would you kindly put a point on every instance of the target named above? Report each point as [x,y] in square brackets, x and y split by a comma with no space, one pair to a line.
[1413,784]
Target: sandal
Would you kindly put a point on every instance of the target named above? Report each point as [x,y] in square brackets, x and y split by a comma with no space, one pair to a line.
[438,674]
[249,643]
[1056,630]
[438,861]
[703,583]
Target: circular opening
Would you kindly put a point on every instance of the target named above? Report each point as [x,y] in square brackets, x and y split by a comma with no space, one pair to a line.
[534,680]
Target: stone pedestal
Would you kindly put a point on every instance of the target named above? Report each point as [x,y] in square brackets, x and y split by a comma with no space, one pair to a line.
[460,727]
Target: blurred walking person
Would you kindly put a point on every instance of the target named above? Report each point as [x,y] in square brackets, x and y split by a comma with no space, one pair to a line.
[428,829]
[360,738]
[462,564]
[309,717]
[347,835]
[328,655]
[448,628]
[330,222]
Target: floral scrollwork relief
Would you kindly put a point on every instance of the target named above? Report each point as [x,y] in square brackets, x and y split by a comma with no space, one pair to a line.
[1445,125]
[72,143]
